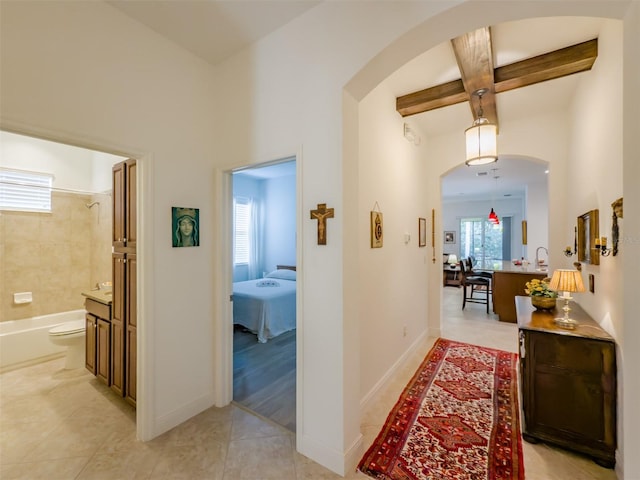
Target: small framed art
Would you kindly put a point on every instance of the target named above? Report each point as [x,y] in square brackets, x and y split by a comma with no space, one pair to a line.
[422,232]
[449,237]
[376,229]
[185,227]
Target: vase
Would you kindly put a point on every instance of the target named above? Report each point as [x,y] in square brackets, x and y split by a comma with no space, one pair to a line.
[543,303]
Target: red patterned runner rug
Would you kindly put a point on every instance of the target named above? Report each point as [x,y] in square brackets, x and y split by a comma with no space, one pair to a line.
[458,418]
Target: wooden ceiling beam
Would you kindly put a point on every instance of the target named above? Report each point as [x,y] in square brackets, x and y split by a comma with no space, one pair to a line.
[559,63]
[474,56]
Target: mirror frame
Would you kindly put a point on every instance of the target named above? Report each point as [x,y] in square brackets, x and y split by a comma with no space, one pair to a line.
[588,231]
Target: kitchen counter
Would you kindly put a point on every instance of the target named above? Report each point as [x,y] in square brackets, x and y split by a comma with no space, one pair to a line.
[508,266]
[101,296]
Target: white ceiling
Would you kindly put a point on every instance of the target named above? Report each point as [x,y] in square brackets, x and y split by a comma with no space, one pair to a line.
[215,30]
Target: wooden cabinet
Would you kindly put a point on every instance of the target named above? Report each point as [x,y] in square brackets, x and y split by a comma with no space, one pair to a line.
[98,339]
[506,285]
[124,321]
[568,382]
[125,233]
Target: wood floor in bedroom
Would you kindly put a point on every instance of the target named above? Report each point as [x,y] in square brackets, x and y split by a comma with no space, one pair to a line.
[264,376]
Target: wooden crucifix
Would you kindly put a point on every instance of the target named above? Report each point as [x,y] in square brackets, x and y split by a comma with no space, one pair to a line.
[322,213]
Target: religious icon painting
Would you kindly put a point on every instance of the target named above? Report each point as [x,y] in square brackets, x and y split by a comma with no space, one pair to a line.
[185,227]
[376,229]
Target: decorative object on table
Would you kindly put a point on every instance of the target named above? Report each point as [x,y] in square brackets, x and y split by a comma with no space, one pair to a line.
[422,232]
[449,237]
[321,214]
[566,281]
[377,232]
[458,417]
[588,231]
[185,227]
[453,260]
[615,230]
[542,297]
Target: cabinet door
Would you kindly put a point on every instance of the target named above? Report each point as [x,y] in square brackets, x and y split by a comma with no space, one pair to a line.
[118,316]
[119,206]
[131,198]
[131,329]
[103,356]
[131,377]
[90,343]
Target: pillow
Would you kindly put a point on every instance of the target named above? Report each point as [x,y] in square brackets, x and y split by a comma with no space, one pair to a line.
[282,274]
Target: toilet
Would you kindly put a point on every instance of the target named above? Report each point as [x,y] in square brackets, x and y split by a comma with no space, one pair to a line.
[70,335]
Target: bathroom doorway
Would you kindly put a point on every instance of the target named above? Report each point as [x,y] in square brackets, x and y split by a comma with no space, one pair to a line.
[264,214]
[61,254]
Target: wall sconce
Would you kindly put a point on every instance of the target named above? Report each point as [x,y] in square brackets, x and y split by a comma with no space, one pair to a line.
[601,245]
[567,251]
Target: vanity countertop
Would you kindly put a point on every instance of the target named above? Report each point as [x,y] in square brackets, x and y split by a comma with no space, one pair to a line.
[102,296]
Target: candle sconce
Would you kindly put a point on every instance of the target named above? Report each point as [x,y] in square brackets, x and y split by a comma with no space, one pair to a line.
[568,252]
[601,246]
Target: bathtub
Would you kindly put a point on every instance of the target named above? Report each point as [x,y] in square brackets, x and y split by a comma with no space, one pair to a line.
[25,342]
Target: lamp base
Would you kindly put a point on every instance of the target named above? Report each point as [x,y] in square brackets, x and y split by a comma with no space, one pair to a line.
[565,322]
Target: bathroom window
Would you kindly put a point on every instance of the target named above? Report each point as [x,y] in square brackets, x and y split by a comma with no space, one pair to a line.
[25,191]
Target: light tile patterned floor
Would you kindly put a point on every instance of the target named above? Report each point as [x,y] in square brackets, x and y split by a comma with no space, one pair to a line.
[57,425]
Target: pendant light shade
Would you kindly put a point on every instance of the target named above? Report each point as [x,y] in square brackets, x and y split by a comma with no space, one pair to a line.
[481,138]
[481,141]
[493,218]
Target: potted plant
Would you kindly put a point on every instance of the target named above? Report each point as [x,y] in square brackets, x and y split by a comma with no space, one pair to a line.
[541,297]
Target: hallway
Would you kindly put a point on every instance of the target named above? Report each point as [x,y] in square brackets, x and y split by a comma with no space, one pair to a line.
[59,425]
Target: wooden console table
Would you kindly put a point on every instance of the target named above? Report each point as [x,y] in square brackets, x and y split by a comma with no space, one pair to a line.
[567,382]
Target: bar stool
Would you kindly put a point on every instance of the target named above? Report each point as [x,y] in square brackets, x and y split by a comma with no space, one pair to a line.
[475,283]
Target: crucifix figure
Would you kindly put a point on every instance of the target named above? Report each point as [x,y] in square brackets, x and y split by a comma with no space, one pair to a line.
[322,213]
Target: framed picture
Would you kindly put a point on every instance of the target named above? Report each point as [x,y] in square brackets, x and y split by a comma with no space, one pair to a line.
[376,229]
[588,231]
[422,232]
[449,237]
[185,227]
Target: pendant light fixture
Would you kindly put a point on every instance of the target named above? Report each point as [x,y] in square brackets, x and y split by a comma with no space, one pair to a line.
[481,138]
[493,217]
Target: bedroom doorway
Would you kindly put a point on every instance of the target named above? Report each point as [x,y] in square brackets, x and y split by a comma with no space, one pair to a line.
[264,290]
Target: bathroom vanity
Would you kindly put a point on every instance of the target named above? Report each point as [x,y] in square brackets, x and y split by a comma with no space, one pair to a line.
[98,334]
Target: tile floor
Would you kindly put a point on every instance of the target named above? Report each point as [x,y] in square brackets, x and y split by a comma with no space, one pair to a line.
[57,425]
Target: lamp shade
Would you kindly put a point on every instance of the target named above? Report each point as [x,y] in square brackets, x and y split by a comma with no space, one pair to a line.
[481,140]
[566,281]
[453,259]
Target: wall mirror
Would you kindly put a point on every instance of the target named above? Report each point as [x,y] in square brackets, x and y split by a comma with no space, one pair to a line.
[588,231]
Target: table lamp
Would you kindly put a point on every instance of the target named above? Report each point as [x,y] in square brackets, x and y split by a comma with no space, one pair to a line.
[453,260]
[566,281]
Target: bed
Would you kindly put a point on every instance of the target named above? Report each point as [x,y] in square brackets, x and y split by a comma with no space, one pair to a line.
[267,306]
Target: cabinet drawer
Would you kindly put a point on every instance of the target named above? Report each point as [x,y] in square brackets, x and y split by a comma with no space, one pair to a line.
[98,309]
[577,355]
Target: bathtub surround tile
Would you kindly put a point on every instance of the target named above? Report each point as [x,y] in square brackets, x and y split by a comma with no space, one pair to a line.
[45,410]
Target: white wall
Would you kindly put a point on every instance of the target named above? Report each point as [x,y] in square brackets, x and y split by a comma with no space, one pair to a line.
[280,227]
[537,216]
[73,168]
[113,84]
[393,279]
[83,73]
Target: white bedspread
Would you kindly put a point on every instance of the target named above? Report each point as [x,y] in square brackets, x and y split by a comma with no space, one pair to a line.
[264,306]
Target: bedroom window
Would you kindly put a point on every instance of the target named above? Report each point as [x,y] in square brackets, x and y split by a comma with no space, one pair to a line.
[25,191]
[242,216]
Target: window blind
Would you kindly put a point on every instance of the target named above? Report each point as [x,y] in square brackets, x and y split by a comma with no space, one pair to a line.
[25,191]
[242,217]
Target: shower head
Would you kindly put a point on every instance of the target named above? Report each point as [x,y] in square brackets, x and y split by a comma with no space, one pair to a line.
[89,205]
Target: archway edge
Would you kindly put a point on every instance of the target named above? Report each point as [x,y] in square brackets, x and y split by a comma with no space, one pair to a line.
[464,17]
